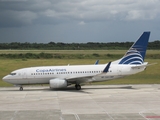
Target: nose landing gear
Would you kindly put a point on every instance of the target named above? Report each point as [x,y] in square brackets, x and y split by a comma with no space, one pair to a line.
[21,88]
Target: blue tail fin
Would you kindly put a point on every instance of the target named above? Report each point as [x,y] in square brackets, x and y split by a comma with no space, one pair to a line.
[137,52]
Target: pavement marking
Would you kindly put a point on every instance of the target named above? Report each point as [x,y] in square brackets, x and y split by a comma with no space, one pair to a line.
[152,116]
[77,117]
[141,114]
[15,113]
[101,107]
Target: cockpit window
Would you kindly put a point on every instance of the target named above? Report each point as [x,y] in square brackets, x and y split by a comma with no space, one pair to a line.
[13,74]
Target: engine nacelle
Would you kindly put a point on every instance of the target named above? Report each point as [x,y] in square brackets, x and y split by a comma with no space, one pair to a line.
[58,83]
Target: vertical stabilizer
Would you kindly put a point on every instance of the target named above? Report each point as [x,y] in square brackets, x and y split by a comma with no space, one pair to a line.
[137,52]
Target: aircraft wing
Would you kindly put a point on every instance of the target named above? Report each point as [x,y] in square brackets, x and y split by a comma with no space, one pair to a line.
[79,80]
[82,79]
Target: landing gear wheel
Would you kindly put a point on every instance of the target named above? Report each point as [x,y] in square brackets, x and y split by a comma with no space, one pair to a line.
[21,88]
[78,87]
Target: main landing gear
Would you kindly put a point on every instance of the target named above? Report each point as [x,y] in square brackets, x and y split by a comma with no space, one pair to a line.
[78,87]
[21,88]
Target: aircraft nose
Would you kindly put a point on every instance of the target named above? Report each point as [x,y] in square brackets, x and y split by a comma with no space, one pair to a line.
[5,78]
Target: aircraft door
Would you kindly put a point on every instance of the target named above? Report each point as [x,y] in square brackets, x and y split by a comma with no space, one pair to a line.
[22,77]
[119,70]
[24,74]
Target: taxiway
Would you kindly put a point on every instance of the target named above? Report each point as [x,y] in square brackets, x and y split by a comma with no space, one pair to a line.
[93,102]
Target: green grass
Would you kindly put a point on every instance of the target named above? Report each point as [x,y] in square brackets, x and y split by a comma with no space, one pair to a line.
[73,51]
[70,54]
[150,76]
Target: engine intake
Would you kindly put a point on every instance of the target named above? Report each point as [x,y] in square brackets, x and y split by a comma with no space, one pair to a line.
[57,83]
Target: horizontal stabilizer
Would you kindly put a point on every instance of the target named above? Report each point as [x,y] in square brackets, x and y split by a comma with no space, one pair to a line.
[107,68]
[144,65]
[151,64]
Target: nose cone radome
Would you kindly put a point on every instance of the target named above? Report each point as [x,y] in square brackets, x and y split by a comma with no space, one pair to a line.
[5,78]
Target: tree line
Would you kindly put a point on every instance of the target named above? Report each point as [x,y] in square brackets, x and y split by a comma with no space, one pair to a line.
[42,55]
[74,46]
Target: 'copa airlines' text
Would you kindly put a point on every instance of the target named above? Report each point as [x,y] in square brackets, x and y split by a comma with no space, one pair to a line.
[50,70]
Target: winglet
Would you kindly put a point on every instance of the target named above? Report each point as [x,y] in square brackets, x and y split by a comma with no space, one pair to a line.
[96,63]
[107,67]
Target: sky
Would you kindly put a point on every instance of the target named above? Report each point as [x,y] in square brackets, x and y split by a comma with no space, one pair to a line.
[78,21]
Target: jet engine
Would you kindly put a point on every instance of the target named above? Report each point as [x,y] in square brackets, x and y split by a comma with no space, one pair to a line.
[58,83]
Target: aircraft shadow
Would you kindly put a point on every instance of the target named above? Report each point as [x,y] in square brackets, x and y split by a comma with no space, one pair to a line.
[123,87]
[70,89]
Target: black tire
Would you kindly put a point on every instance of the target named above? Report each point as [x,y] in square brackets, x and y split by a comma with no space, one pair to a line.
[21,88]
[78,87]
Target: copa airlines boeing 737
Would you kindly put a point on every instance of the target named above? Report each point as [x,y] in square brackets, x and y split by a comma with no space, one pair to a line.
[62,76]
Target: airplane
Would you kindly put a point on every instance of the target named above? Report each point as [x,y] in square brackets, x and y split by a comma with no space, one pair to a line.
[62,76]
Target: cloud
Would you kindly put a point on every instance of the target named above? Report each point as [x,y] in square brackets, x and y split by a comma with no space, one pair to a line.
[82,23]
[30,12]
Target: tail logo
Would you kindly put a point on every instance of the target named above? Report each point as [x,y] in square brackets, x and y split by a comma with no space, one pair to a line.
[137,52]
[132,57]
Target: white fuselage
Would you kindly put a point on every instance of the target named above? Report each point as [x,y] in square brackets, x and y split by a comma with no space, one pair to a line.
[88,73]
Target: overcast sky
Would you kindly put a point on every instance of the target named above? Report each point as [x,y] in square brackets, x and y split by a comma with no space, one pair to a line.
[78,21]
